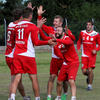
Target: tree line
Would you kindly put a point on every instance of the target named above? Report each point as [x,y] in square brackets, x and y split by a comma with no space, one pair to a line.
[77,12]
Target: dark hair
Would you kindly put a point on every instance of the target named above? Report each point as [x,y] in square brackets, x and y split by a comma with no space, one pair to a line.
[63,30]
[26,12]
[60,17]
[17,14]
[90,21]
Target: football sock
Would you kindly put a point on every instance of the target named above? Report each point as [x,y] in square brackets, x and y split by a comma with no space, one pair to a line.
[9,98]
[73,98]
[89,85]
[12,96]
[37,98]
[59,97]
[49,96]
[65,93]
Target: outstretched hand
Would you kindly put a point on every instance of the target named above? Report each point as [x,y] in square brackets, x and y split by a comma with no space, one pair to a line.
[40,10]
[30,5]
[66,29]
[41,22]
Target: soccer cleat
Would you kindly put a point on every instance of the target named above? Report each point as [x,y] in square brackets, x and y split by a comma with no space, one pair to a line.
[27,98]
[87,80]
[48,98]
[63,97]
[58,99]
[89,88]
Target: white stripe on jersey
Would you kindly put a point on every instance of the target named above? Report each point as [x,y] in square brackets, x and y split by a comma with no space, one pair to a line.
[30,49]
[91,34]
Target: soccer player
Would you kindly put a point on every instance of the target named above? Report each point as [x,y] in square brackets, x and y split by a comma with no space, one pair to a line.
[56,62]
[68,71]
[89,38]
[9,52]
[26,36]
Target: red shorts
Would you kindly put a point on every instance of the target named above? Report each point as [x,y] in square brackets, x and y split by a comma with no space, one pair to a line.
[24,64]
[88,62]
[68,71]
[10,64]
[55,66]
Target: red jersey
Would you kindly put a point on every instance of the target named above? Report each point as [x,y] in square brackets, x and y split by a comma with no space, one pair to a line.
[89,42]
[26,38]
[10,40]
[66,46]
[51,30]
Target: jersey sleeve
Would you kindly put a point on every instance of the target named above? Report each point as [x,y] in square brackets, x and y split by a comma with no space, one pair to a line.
[71,35]
[34,37]
[67,41]
[98,41]
[39,17]
[43,36]
[79,41]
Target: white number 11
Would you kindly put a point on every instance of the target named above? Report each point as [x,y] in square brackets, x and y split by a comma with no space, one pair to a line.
[20,33]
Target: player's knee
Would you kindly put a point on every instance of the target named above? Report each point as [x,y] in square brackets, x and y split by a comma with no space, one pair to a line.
[59,82]
[52,78]
[84,72]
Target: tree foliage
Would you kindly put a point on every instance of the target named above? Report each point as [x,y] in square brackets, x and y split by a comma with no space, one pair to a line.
[77,12]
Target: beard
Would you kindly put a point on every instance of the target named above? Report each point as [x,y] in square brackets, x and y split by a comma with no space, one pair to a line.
[58,36]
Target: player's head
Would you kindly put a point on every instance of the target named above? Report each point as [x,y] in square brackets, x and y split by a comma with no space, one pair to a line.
[89,25]
[27,13]
[59,32]
[17,14]
[58,21]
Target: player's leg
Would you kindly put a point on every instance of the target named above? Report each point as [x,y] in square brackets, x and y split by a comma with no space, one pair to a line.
[22,91]
[59,90]
[50,84]
[63,76]
[91,66]
[35,85]
[73,88]
[15,85]
[65,89]
[65,84]
[10,87]
[54,68]
[90,76]
[72,73]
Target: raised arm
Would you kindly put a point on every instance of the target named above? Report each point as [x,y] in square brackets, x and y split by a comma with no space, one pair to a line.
[67,41]
[43,36]
[69,33]
[47,29]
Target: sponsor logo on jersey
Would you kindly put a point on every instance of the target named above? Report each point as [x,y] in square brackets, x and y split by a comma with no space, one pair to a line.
[93,34]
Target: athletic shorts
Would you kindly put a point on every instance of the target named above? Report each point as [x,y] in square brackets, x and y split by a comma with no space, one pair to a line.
[10,64]
[68,71]
[88,62]
[24,64]
[55,66]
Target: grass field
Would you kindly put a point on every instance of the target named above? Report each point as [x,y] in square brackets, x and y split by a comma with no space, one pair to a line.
[43,63]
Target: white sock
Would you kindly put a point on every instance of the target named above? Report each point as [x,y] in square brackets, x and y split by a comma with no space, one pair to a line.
[89,85]
[49,96]
[9,98]
[13,96]
[59,97]
[37,98]
[65,93]
[73,98]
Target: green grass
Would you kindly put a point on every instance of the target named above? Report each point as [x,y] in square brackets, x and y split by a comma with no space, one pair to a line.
[43,65]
